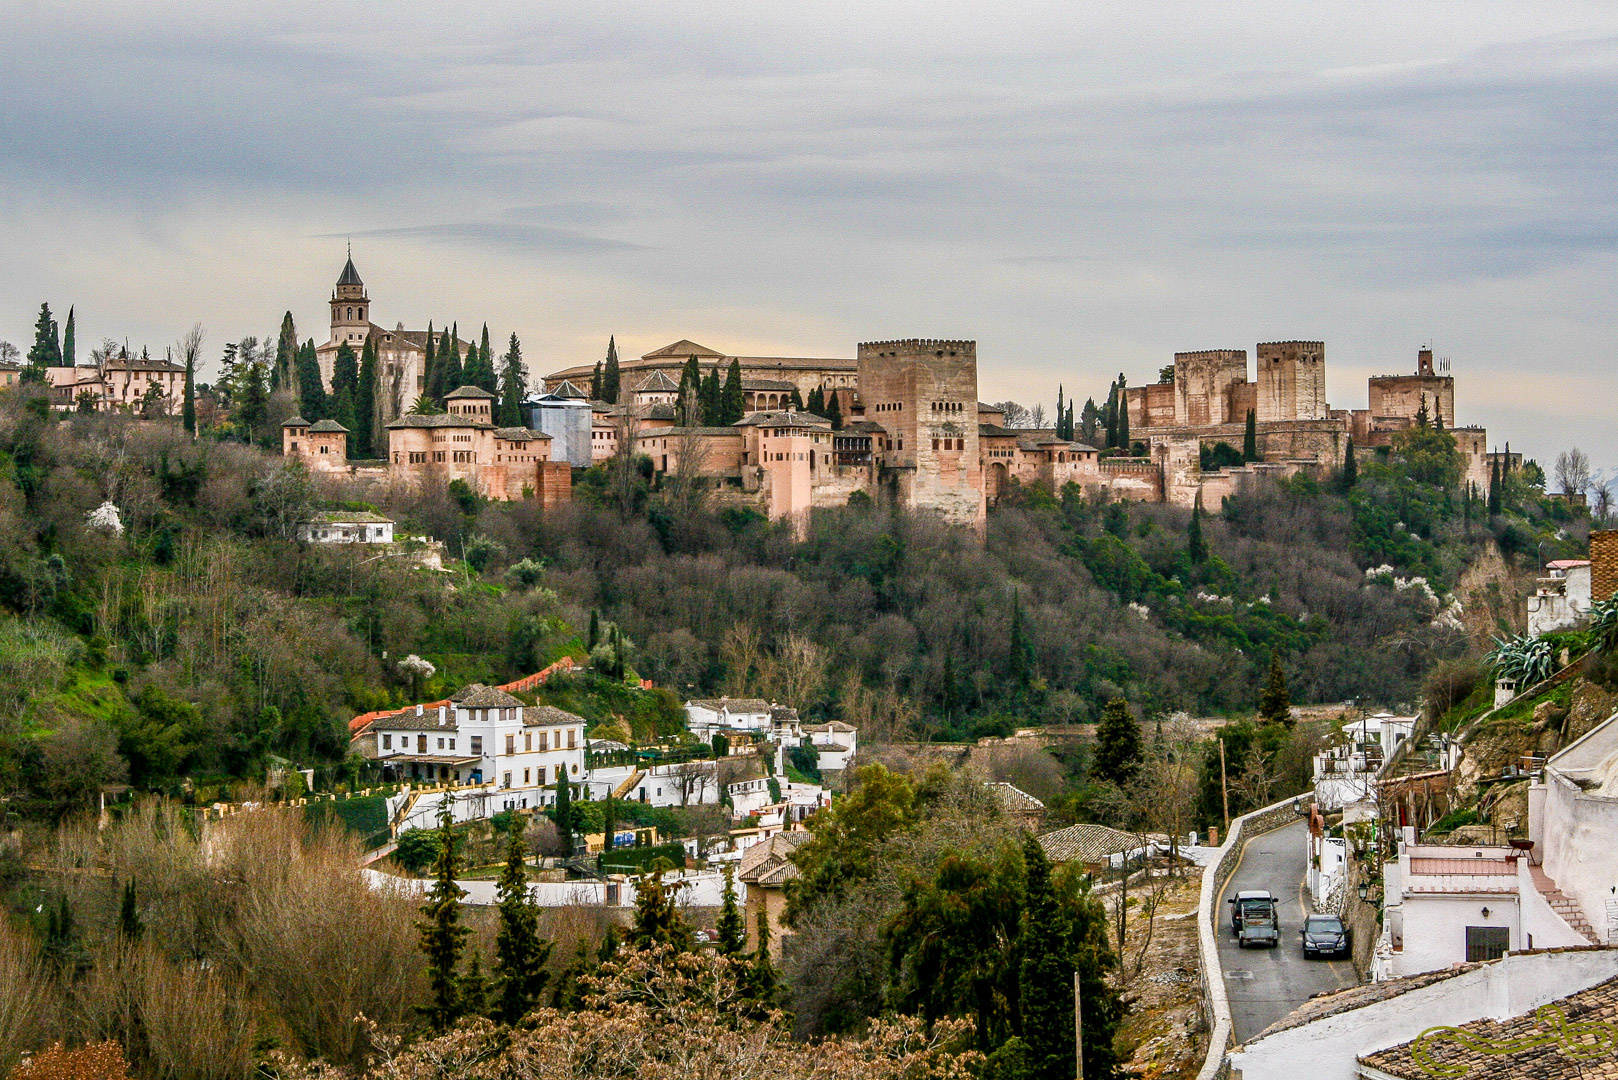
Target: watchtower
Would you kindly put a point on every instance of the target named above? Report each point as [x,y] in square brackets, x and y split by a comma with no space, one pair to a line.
[924,394]
[1291,380]
[350,308]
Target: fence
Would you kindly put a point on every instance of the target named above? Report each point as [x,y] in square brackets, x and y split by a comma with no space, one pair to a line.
[1214,876]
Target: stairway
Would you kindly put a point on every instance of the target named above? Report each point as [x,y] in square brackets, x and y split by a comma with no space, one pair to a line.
[1563,905]
[623,789]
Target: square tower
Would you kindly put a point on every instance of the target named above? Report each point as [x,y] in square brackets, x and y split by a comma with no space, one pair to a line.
[1202,386]
[924,393]
[1291,380]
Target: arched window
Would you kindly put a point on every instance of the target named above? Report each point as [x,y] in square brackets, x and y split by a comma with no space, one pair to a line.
[350,313]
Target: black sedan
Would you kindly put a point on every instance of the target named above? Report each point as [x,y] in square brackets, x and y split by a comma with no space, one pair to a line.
[1324,935]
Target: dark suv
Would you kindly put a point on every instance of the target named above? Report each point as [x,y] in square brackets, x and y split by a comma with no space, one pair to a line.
[1324,935]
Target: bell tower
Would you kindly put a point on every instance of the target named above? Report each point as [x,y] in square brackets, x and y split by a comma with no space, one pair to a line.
[350,307]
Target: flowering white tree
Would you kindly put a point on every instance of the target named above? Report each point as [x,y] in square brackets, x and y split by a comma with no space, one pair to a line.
[418,670]
[104,518]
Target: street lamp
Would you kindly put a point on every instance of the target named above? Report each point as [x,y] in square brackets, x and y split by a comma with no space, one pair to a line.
[1364,890]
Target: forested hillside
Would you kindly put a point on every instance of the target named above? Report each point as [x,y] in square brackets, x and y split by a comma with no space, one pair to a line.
[188,633]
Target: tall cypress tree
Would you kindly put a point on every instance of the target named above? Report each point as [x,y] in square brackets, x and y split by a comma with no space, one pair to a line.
[1196,546]
[286,355]
[735,397]
[429,365]
[1494,485]
[1250,438]
[442,936]
[834,411]
[817,402]
[513,386]
[129,926]
[362,442]
[1123,414]
[45,351]
[731,927]
[69,348]
[1044,971]
[1110,415]
[595,383]
[711,393]
[452,376]
[562,811]
[311,389]
[345,372]
[610,375]
[1061,410]
[486,375]
[188,410]
[519,952]
[688,406]
[1351,466]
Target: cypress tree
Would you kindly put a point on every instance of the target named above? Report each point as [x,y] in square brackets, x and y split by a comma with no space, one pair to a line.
[486,375]
[609,376]
[1060,411]
[712,396]
[429,364]
[731,927]
[1110,415]
[761,980]
[129,925]
[1118,744]
[311,389]
[519,952]
[595,631]
[688,405]
[797,399]
[1351,466]
[513,386]
[69,348]
[1069,424]
[474,987]
[817,402]
[595,383]
[1123,414]
[452,376]
[1196,544]
[834,410]
[1021,662]
[188,410]
[45,351]
[286,355]
[342,409]
[1274,706]
[562,811]
[657,917]
[1044,971]
[1494,485]
[1250,438]
[362,443]
[735,397]
[443,938]
[345,372]
[252,400]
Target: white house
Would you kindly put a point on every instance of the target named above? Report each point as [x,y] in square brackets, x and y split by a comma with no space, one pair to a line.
[1447,905]
[836,743]
[691,783]
[486,737]
[706,716]
[346,527]
[1562,598]
[1572,820]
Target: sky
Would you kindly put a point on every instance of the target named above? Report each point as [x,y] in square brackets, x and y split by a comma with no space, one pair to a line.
[1084,189]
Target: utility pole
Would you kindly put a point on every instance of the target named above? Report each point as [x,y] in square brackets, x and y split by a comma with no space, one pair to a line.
[1224,787]
[1078,1030]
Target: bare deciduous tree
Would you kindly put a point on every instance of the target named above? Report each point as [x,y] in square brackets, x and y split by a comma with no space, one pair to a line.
[623,468]
[796,672]
[1573,471]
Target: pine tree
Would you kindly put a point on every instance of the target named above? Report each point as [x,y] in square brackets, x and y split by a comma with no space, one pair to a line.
[364,435]
[129,925]
[513,386]
[252,400]
[1250,438]
[1273,705]
[1351,466]
[69,347]
[657,917]
[1118,744]
[45,352]
[286,355]
[562,811]
[311,388]
[443,938]
[520,953]
[731,927]
[609,375]
[1123,414]
[1196,546]
[595,383]
[834,410]
[188,410]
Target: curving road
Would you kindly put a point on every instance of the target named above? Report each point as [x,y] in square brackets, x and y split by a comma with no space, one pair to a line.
[1266,984]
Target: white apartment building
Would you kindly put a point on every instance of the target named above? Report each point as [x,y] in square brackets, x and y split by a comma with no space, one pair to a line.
[484,736]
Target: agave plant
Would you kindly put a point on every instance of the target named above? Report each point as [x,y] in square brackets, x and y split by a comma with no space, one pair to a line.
[1524,660]
[1604,624]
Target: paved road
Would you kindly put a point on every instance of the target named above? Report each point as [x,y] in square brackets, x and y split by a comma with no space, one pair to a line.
[1266,984]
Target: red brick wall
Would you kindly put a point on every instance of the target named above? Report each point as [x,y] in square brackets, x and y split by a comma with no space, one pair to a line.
[1603,563]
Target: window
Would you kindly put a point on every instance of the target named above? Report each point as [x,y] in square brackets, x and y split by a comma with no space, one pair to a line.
[571,734]
[477,744]
[542,776]
[525,777]
[441,744]
[1487,942]
[505,780]
[544,741]
[511,744]
[527,740]
[452,744]
[387,742]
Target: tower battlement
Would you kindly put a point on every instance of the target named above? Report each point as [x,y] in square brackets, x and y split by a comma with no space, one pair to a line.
[920,345]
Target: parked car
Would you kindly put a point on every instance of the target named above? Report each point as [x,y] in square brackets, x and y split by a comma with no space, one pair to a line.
[1255,918]
[1324,935]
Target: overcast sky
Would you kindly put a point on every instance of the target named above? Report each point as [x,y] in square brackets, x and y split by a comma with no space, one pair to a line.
[1082,188]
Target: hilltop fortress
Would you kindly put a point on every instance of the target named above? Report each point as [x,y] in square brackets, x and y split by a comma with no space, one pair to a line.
[914,432]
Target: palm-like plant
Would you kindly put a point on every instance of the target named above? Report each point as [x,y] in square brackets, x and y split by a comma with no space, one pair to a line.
[424,406]
[1523,659]
[1604,624]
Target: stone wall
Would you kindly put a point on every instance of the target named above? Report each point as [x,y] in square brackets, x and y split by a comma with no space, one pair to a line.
[1603,563]
[1403,395]
[1203,385]
[1291,380]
